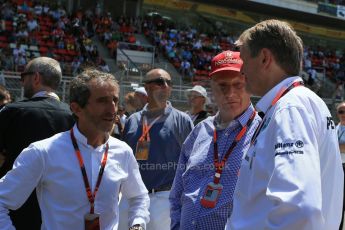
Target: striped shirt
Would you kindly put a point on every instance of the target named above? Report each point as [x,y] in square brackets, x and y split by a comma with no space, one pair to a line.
[196,169]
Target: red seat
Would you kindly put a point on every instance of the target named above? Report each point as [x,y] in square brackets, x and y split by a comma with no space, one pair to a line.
[3,44]
[72,53]
[50,44]
[45,33]
[43,50]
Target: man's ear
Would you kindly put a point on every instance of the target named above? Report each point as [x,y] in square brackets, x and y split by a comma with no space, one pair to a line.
[37,79]
[75,108]
[266,57]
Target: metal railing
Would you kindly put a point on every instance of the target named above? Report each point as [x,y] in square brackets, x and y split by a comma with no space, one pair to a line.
[127,84]
[178,96]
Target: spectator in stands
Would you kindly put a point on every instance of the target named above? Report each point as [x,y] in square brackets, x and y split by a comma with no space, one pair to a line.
[32,24]
[312,76]
[18,50]
[19,63]
[7,62]
[340,81]
[197,98]
[131,38]
[104,67]
[7,11]
[156,134]
[203,187]
[5,96]
[197,44]
[24,122]
[291,177]
[185,68]
[51,166]
[60,43]
[141,98]
[75,65]
[341,139]
[38,9]
[45,8]
[186,54]
[22,35]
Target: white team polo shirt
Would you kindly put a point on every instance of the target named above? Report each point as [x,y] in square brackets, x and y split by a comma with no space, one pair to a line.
[291,177]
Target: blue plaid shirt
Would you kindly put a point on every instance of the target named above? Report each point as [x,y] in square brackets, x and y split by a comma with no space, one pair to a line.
[196,169]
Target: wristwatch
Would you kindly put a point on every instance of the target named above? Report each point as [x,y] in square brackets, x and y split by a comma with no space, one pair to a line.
[136,227]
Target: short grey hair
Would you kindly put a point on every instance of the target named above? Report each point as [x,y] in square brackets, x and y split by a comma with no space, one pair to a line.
[48,68]
[80,89]
[280,38]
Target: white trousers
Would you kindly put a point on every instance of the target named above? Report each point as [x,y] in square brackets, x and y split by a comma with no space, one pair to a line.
[159,212]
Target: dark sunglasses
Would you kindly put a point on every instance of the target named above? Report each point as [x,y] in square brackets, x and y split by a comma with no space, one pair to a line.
[24,74]
[159,81]
[341,112]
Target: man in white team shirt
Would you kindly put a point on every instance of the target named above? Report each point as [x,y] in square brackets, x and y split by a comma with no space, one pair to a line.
[65,166]
[291,176]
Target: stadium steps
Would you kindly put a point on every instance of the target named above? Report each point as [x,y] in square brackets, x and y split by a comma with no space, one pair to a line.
[162,62]
[104,53]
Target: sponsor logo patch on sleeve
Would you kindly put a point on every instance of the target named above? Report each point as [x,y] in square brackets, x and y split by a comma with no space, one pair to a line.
[288,148]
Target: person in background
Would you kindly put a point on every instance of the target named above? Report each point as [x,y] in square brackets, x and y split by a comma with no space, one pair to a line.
[21,123]
[291,176]
[140,96]
[120,121]
[5,96]
[341,139]
[130,103]
[79,173]
[201,195]
[156,134]
[197,97]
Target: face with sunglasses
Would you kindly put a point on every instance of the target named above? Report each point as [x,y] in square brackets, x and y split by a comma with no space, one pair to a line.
[162,82]
[158,86]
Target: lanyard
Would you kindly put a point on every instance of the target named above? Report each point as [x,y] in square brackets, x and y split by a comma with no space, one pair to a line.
[220,165]
[279,95]
[146,128]
[91,196]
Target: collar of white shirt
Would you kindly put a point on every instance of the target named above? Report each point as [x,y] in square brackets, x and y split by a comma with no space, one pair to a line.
[265,102]
[81,139]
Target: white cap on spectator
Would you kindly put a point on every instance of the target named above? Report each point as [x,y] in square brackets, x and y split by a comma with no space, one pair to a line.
[141,90]
[199,89]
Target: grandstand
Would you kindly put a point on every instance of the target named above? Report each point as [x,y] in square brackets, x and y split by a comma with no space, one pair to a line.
[180,36]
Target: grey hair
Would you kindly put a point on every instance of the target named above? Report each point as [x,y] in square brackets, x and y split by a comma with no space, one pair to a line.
[280,38]
[48,68]
[80,90]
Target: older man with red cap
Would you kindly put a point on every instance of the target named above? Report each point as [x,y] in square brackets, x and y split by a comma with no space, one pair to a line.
[201,195]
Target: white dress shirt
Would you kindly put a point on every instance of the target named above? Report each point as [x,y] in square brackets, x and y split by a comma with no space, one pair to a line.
[291,178]
[52,167]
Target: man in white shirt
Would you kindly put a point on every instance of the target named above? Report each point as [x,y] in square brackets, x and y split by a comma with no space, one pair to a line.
[291,176]
[86,158]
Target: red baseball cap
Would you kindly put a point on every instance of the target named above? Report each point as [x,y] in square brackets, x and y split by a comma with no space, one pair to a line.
[226,61]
